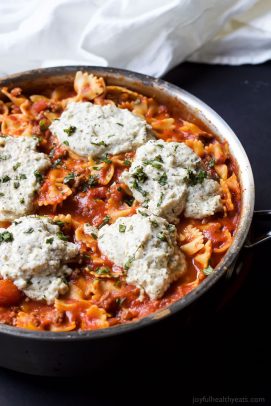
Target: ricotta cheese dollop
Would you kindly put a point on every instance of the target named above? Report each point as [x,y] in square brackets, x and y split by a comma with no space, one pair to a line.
[203,199]
[144,245]
[93,130]
[34,254]
[21,167]
[159,179]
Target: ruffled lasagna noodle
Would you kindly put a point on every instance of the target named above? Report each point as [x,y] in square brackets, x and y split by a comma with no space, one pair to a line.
[81,195]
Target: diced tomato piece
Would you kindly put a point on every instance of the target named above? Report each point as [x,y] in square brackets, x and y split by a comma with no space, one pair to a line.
[9,293]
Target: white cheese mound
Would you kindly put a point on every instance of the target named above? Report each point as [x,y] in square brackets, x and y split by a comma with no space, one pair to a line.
[203,199]
[19,161]
[145,245]
[34,257]
[158,177]
[93,130]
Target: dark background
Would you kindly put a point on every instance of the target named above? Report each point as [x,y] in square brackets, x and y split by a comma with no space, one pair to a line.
[228,352]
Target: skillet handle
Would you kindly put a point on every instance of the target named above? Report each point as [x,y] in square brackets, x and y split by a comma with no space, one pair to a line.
[258,233]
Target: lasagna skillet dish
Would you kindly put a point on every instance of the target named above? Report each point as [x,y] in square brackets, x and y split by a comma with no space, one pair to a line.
[112,206]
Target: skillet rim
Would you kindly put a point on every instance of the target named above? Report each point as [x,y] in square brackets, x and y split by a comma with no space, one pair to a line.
[211,118]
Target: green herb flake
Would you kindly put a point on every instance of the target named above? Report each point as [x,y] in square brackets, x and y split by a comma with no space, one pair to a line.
[22,176]
[6,179]
[29,231]
[154,223]
[2,194]
[49,240]
[16,166]
[4,157]
[140,175]
[70,177]
[122,228]
[129,200]
[211,163]
[93,180]
[126,162]
[161,236]
[105,159]
[99,144]
[195,178]
[93,235]
[38,176]
[62,236]
[120,300]
[163,179]
[129,262]
[143,213]
[136,186]
[207,271]
[6,236]
[66,143]
[70,130]
[22,201]
[160,200]
[104,222]
[102,271]
[16,185]
[57,163]
[43,125]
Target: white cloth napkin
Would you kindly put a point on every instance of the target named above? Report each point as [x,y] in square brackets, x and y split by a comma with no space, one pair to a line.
[148,36]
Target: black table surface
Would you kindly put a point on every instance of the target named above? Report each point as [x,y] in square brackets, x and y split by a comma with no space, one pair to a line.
[228,359]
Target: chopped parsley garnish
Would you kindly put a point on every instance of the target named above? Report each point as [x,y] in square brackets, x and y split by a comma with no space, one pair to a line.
[5,179]
[62,236]
[154,223]
[161,236]
[143,213]
[4,157]
[105,159]
[155,163]
[16,185]
[160,200]
[29,231]
[43,125]
[196,177]
[102,271]
[211,163]
[145,204]
[49,240]
[122,228]
[57,163]
[127,162]
[171,228]
[38,176]
[70,130]
[140,175]
[66,143]
[59,223]
[99,144]
[93,235]
[93,180]
[120,124]
[120,300]
[2,194]
[70,177]
[163,179]
[104,222]
[16,166]
[136,186]
[207,271]
[6,236]
[22,201]
[22,176]
[160,145]
[129,262]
